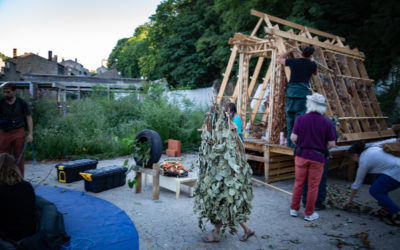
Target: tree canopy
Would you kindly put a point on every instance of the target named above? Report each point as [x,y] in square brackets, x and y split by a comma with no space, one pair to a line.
[185,41]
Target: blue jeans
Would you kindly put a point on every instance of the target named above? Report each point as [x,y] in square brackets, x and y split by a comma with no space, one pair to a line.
[321,188]
[380,189]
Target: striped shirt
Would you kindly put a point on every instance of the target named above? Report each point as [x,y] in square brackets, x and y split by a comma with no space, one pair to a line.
[375,161]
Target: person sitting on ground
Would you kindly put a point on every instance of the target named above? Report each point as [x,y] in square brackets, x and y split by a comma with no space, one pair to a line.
[17,198]
[376,161]
[313,134]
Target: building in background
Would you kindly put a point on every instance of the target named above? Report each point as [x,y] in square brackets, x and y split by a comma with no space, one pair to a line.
[30,63]
[73,68]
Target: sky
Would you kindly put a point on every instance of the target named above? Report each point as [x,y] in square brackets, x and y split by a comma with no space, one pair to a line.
[86,30]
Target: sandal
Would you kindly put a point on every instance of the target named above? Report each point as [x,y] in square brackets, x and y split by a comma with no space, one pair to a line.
[247,235]
[381,213]
[211,238]
[393,220]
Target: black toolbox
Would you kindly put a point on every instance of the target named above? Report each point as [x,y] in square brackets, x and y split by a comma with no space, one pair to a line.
[69,171]
[97,180]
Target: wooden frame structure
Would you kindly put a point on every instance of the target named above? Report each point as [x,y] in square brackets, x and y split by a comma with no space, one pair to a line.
[341,77]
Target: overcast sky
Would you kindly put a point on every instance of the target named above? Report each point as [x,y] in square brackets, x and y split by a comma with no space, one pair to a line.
[84,29]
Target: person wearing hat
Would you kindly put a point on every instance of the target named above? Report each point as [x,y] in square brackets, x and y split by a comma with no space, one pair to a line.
[14,115]
[301,70]
[313,134]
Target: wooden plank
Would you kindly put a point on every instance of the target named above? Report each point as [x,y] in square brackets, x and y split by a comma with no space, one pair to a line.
[362,117]
[281,177]
[281,158]
[271,186]
[281,149]
[138,186]
[254,147]
[156,182]
[261,94]
[371,94]
[294,25]
[346,96]
[302,39]
[256,158]
[278,165]
[255,75]
[369,111]
[227,74]
[266,163]
[370,134]
[254,32]
[271,94]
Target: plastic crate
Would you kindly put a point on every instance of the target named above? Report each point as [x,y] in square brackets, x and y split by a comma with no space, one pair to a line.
[69,171]
[97,180]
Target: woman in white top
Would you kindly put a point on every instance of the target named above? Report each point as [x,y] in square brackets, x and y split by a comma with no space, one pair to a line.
[374,160]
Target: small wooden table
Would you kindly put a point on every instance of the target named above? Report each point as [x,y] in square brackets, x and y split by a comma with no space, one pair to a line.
[155,172]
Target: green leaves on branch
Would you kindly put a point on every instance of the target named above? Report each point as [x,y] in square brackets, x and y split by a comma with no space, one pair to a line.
[223,191]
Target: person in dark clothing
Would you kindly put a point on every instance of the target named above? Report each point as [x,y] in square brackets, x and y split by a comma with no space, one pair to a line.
[13,113]
[301,70]
[17,198]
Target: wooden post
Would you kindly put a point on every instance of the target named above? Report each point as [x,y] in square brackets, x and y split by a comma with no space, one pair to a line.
[266,163]
[227,74]
[240,80]
[138,186]
[156,182]
[271,94]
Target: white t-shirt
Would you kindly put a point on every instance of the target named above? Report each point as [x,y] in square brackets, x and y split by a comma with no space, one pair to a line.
[375,161]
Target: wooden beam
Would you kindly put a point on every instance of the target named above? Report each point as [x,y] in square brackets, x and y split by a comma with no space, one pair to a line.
[371,134]
[294,25]
[256,158]
[255,75]
[271,186]
[281,149]
[254,32]
[302,39]
[362,117]
[261,94]
[227,74]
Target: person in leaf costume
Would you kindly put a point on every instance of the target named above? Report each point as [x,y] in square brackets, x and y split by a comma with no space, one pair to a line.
[224,191]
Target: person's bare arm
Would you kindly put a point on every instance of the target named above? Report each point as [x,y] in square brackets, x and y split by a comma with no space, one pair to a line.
[351,197]
[294,137]
[30,128]
[282,58]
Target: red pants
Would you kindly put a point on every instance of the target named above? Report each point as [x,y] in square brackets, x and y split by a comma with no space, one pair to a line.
[313,170]
[13,139]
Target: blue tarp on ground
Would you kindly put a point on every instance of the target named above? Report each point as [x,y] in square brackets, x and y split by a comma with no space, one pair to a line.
[92,221]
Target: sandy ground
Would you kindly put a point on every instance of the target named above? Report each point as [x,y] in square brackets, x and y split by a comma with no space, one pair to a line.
[171,224]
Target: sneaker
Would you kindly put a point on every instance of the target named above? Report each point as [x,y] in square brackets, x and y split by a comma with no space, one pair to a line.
[293,212]
[314,216]
[319,207]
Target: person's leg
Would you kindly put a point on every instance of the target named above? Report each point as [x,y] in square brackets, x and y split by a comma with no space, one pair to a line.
[213,237]
[315,170]
[322,185]
[18,147]
[300,177]
[321,189]
[247,231]
[380,189]
[5,143]
[290,116]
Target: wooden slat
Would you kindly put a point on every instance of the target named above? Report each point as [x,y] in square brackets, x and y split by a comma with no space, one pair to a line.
[255,75]
[369,111]
[294,25]
[254,147]
[346,95]
[254,32]
[371,94]
[256,158]
[281,149]
[302,39]
[281,177]
[371,134]
[362,117]
[276,165]
[227,74]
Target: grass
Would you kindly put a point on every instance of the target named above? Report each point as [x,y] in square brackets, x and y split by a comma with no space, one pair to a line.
[102,128]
